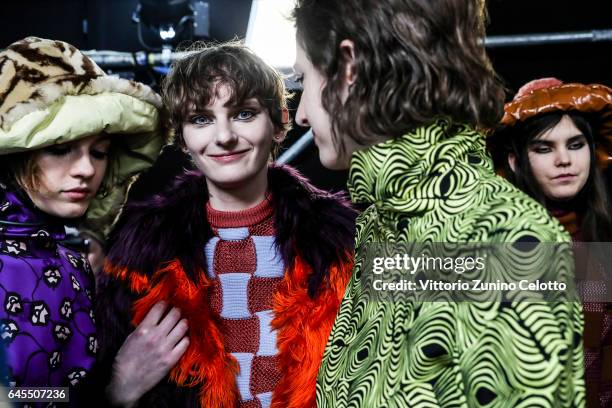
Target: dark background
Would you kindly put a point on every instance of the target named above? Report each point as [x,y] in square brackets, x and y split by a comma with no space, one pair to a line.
[107,25]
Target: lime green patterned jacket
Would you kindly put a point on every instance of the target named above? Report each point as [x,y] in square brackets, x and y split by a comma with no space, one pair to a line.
[437,184]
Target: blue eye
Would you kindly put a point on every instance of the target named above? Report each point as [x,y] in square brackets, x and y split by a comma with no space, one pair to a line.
[200,120]
[245,115]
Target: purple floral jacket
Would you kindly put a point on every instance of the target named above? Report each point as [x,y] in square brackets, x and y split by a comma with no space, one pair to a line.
[46,318]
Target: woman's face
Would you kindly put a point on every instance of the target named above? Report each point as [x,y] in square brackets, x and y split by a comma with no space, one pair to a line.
[231,143]
[560,160]
[70,175]
[311,113]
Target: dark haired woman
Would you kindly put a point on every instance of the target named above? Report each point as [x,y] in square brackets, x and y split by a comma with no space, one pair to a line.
[396,92]
[555,140]
[71,137]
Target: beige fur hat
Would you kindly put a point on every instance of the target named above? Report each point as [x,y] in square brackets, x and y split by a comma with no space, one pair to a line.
[51,93]
[35,73]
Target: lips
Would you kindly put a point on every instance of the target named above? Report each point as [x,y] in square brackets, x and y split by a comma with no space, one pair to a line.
[228,156]
[565,177]
[77,194]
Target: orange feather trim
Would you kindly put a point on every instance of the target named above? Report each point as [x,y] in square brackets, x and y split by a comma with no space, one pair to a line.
[304,326]
[205,363]
[137,283]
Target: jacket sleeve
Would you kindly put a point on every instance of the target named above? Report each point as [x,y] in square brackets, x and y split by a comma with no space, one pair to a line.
[538,341]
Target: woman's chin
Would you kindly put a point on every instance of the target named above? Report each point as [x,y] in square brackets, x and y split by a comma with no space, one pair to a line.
[67,210]
[332,161]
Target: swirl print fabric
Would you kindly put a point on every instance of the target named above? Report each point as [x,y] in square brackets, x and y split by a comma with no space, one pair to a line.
[437,184]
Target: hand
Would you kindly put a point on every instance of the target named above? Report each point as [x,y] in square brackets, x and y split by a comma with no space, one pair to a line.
[147,355]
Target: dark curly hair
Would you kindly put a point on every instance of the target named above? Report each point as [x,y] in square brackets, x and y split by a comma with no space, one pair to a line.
[415,61]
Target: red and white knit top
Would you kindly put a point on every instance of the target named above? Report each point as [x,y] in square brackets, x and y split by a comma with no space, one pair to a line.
[245,268]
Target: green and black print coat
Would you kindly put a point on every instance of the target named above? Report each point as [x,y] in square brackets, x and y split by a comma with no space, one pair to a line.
[437,184]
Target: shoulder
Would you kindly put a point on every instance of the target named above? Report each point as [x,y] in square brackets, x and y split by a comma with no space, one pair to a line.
[511,215]
[317,225]
[308,213]
[156,229]
[293,192]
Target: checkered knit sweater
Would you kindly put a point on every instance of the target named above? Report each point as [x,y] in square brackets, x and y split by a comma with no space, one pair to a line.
[158,254]
[245,269]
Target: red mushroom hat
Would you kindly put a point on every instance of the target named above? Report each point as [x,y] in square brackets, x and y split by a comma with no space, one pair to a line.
[550,94]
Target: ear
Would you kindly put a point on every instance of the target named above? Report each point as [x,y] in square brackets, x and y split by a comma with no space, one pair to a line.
[512,162]
[280,134]
[347,51]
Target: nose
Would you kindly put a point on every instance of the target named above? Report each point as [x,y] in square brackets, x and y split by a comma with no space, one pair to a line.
[563,158]
[300,115]
[225,135]
[83,166]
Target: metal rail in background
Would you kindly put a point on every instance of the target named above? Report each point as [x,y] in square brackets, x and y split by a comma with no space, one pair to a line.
[117,59]
[547,38]
[126,59]
[296,148]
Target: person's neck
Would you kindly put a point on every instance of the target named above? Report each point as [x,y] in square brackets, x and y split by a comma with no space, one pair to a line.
[574,204]
[240,198]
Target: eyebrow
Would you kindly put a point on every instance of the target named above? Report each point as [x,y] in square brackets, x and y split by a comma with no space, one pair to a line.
[248,103]
[539,142]
[252,103]
[576,138]
[203,111]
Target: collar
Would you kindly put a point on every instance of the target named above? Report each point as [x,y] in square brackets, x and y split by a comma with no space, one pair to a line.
[19,218]
[244,218]
[407,174]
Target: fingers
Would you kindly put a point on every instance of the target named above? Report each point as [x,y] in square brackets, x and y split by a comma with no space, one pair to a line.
[169,321]
[178,332]
[178,351]
[154,315]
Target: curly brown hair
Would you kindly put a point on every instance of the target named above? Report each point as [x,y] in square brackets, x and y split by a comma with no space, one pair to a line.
[415,61]
[193,81]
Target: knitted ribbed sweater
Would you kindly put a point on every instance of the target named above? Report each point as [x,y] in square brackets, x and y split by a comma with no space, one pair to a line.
[245,268]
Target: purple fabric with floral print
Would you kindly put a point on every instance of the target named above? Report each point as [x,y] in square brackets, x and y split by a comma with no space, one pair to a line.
[46,318]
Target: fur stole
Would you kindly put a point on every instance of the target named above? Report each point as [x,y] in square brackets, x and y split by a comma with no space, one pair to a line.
[158,255]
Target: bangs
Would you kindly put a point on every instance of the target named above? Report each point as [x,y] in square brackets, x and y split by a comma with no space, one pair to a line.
[194,83]
[204,92]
